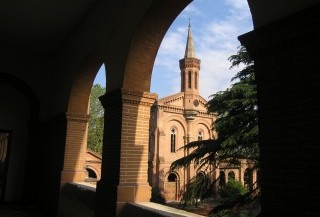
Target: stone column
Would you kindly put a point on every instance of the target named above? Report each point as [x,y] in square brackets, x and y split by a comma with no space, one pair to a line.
[75,148]
[124,175]
[242,169]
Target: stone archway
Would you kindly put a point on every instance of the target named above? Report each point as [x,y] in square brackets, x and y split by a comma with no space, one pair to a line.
[19,114]
[77,120]
[129,109]
[171,187]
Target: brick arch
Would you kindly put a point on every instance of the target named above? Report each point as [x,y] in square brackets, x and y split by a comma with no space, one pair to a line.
[169,192]
[26,91]
[95,170]
[206,125]
[24,158]
[82,84]
[77,119]
[146,42]
[177,173]
[180,120]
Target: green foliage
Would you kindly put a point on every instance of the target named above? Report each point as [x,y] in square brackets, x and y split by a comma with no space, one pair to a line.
[96,122]
[199,187]
[223,213]
[236,109]
[156,196]
[233,190]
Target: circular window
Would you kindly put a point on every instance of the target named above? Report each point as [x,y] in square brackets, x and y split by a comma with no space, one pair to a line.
[196,102]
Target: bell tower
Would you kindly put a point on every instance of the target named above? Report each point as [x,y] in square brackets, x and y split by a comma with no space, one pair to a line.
[190,70]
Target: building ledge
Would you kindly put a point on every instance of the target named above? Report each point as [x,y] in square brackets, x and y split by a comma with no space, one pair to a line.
[77,199]
[155,210]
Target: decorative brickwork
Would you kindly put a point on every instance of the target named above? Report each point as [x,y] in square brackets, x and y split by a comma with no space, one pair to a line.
[125,154]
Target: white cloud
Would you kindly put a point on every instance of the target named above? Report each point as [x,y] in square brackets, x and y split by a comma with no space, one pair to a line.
[173,42]
[192,9]
[237,4]
[214,43]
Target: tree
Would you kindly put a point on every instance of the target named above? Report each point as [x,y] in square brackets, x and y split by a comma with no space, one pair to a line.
[236,109]
[236,126]
[95,134]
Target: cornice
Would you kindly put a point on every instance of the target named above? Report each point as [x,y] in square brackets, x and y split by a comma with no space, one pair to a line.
[138,98]
[189,63]
[128,97]
[73,117]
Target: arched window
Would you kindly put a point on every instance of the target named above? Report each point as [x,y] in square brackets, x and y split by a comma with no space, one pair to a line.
[201,175]
[196,80]
[200,135]
[189,79]
[173,140]
[231,176]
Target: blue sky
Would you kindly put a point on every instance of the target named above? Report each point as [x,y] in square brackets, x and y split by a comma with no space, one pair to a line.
[215,26]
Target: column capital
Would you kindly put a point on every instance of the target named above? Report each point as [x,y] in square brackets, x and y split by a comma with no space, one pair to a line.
[141,98]
[74,117]
[128,97]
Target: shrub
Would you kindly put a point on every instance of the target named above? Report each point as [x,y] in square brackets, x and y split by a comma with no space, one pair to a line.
[232,190]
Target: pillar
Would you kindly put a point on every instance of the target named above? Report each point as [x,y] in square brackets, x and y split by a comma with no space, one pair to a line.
[75,148]
[124,175]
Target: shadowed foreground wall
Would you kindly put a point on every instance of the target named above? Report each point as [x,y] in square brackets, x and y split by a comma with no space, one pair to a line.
[286,55]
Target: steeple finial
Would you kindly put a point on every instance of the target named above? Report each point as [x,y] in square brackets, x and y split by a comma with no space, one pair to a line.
[190,51]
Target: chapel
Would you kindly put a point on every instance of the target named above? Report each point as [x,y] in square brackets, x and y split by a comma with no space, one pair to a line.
[177,120]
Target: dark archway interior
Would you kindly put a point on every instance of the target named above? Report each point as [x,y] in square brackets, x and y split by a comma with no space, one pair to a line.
[91,173]
[172,177]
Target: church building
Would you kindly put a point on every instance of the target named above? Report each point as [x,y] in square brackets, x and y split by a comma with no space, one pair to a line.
[175,121]
[182,118]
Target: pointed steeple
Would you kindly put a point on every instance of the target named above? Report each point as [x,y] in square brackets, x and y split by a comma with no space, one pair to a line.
[190,69]
[190,51]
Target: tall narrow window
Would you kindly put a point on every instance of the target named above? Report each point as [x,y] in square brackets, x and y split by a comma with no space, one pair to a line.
[200,135]
[189,79]
[173,140]
[196,80]
[182,80]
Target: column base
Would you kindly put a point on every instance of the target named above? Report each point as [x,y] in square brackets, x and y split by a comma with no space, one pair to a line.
[111,199]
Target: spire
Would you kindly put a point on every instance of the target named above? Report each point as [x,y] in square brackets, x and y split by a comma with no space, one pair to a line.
[190,52]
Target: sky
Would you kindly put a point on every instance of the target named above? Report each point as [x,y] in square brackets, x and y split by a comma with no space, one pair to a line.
[215,26]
